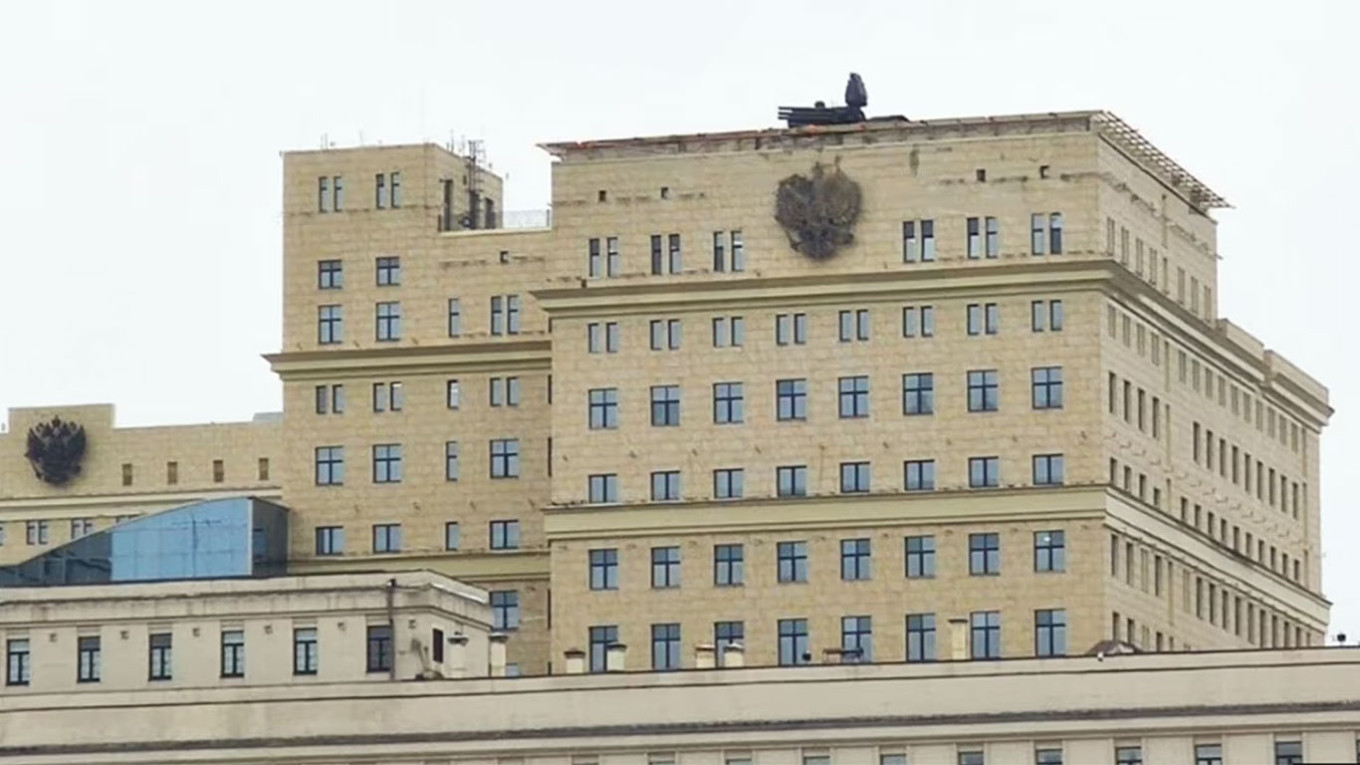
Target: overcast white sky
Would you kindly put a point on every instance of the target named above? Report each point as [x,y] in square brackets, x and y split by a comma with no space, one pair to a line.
[139,209]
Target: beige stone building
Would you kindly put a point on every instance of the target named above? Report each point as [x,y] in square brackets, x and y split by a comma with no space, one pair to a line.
[654,421]
[126,473]
[1236,707]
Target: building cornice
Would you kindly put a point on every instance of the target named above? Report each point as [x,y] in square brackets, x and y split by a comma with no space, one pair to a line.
[833,511]
[502,356]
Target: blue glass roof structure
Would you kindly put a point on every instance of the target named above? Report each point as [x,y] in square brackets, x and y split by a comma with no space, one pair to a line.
[237,537]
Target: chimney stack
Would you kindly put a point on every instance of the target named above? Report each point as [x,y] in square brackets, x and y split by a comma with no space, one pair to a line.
[733,656]
[497,653]
[576,662]
[704,656]
[615,657]
[456,658]
[958,639]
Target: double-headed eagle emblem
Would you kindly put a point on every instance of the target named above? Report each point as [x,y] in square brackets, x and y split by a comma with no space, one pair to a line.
[55,449]
[818,212]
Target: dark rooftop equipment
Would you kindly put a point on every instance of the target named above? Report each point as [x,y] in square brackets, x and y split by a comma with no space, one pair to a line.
[856,98]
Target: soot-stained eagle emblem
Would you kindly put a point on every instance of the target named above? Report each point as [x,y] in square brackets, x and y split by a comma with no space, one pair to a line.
[55,449]
[818,211]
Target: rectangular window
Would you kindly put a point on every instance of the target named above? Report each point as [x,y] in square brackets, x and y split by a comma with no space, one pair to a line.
[725,634]
[673,252]
[505,535]
[665,567]
[387,537]
[453,394]
[504,391]
[855,560]
[330,275]
[918,393]
[984,472]
[1128,755]
[791,480]
[665,646]
[1050,632]
[857,640]
[973,241]
[233,653]
[719,252]
[854,325]
[388,271]
[1048,469]
[159,656]
[453,536]
[854,397]
[379,648]
[87,659]
[396,190]
[984,554]
[330,465]
[387,463]
[330,325]
[665,405]
[918,241]
[738,250]
[1208,754]
[18,662]
[1291,752]
[455,317]
[388,321]
[658,264]
[453,466]
[790,329]
[986,634]
[728,403]
[505,614]
[729,331]
[993,238]
[330,540]
[984,394]
[792,561]
[984,318]
[729,565]
[323,194]
[1048,757]
[1050,551]
[791,399]
[665,485]
[601,638]
[920,637]
[855,477]
[603,406]
[793,642]
[604,569]
[603,488]
[594,259]
[1046,387]
[665,334]
[920,557]
[918,475]
[918,321]
[1047,313]
[305,654]
[1037,234]
[729,483]
[505,458]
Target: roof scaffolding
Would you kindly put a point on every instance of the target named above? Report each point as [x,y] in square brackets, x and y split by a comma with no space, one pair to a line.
[1122,133]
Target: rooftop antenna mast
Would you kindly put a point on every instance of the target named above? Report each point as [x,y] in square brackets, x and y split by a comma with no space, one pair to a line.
[480,214]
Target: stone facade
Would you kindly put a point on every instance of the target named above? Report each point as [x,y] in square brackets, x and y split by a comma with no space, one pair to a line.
[1206,708]
[104,637]
[127,472]
[1041,244]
